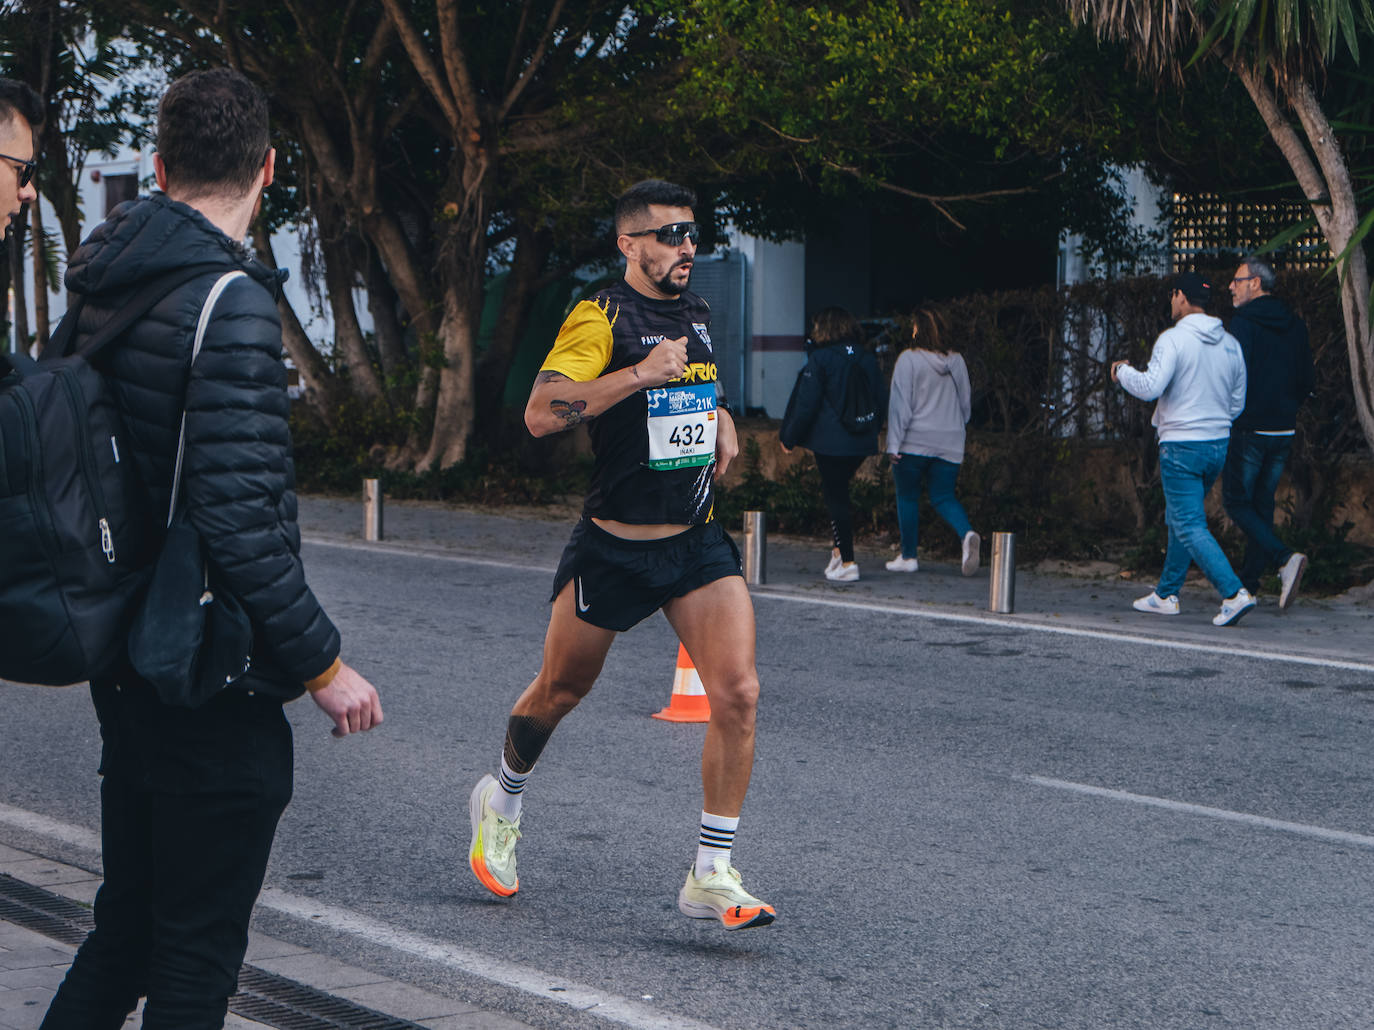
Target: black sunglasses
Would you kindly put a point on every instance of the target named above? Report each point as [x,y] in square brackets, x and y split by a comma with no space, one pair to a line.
[26,169]
[673,233]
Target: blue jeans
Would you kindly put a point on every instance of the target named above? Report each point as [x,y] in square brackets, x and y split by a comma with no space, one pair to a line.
[939,476]
[1187,471]
[1254,463]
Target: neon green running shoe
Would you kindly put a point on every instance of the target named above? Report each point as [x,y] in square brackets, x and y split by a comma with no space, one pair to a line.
[492,855]
[722,896]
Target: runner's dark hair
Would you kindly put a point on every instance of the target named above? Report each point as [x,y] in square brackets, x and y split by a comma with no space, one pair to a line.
[635,201]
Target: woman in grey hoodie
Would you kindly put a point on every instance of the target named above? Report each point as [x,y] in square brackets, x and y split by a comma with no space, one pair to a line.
[927,408]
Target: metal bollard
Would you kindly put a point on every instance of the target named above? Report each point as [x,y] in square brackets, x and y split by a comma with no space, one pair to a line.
[1002,581]
[372,509]
[755,549]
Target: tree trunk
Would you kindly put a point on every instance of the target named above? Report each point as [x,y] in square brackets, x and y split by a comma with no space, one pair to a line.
[532,248]
[21,304]
[381,303]
[412,287]
[319,387]
[40,279]
[1352,265]
[453,403]
[1329,191]
[340,279]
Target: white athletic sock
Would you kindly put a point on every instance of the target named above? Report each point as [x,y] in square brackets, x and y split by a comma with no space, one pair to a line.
[506,801]
[716,840]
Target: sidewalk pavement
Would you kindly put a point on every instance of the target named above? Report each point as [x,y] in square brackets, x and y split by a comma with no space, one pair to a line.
[1085,598]
[33,964]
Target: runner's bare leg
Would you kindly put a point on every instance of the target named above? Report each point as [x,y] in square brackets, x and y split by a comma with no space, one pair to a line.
[716,625]
[574,652]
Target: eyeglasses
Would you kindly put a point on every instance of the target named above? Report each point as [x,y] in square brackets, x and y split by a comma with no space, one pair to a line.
[1241,278]
[26,169]
[673,233]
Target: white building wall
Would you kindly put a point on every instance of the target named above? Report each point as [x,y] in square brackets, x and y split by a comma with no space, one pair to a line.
[777,289]
[95,181]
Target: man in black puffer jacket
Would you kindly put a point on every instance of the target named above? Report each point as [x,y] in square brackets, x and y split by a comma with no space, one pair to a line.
[1278,378]
[190,798]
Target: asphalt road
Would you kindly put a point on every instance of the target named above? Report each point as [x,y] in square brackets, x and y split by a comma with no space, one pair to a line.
[959,825]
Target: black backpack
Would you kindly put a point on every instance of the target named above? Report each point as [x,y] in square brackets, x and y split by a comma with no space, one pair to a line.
[858,400]
[74,529]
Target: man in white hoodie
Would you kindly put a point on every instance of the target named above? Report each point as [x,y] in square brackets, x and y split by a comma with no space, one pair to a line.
[1197,372]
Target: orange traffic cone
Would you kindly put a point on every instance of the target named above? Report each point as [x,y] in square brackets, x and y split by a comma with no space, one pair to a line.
[688,701]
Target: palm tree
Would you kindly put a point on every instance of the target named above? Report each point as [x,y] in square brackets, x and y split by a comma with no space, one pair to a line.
[1279,50]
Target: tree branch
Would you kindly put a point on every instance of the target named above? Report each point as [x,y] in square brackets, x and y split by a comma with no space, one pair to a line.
[423,61]
[536,59]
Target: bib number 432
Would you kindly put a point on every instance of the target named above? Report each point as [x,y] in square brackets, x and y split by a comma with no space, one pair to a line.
[681,424]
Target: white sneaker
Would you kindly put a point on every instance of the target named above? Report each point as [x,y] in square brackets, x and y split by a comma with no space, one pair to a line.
[973,544]
[721,895]
[834,564]
[1290,575]
[1156,605]
[1234,608]
[843,572]
[900,564]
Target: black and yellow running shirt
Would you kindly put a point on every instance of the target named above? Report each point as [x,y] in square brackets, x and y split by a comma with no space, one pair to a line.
[655,451]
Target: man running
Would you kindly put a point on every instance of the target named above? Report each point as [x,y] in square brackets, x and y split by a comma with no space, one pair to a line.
[635,363]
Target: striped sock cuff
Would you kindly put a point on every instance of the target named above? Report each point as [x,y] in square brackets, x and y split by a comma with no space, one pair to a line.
[717,831]
[511,782]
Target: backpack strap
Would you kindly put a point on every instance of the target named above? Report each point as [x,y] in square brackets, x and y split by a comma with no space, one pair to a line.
[135,308]
[203,323]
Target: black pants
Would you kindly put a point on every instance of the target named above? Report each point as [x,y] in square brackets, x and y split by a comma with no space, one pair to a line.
[189,805]
[836,472]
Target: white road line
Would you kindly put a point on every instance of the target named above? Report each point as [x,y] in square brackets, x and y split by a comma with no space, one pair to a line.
[411,551]
[610,1007]
[971,618]
[1301,829]
[42,826]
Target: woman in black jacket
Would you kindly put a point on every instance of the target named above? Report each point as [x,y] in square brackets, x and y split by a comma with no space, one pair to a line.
[834,348]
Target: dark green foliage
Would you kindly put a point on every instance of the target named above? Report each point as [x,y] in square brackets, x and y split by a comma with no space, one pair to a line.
[337,461]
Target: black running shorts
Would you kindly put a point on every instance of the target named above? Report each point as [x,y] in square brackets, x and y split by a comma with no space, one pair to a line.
[618,582]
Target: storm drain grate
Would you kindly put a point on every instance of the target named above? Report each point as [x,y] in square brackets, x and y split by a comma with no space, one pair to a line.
[263,996]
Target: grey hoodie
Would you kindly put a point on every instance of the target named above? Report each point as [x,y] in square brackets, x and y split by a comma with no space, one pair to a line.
[929,404]
[1198,373]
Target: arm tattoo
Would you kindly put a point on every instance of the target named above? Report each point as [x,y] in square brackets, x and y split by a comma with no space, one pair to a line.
[569,411]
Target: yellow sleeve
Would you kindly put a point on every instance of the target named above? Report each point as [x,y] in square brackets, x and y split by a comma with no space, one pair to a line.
[583,348]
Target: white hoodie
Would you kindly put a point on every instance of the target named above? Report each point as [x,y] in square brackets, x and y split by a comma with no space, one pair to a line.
[1197,371]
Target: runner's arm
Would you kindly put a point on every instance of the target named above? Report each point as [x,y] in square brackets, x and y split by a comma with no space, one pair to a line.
[558,402]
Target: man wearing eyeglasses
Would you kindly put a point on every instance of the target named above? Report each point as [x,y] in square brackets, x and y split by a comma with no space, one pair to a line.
[635,362]
[1278,366]
[21,110]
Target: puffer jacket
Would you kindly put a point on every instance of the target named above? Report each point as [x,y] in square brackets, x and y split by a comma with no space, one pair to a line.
[237,476]
[812,418]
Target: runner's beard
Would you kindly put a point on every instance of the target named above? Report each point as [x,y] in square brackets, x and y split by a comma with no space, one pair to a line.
[666,284]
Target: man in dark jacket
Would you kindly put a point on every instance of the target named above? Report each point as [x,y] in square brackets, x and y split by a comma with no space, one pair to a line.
[1278,369]
[190,798]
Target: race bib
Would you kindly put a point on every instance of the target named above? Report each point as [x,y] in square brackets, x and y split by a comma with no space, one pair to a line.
[682,426]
